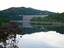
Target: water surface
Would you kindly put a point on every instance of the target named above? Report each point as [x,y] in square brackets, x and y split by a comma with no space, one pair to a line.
[49,39]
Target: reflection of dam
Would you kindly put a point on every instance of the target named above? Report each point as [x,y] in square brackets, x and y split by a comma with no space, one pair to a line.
[26,19]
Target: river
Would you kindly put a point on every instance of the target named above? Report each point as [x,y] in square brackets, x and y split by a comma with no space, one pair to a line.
[49,39]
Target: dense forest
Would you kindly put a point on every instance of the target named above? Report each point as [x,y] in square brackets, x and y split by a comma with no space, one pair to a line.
[53,22]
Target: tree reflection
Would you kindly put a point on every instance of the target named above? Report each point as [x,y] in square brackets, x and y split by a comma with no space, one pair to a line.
[8,34]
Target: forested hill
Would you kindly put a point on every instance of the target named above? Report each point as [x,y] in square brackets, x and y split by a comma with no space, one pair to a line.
[15,12]
[53,22]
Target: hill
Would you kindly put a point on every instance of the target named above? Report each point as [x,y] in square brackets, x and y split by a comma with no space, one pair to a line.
[15,13]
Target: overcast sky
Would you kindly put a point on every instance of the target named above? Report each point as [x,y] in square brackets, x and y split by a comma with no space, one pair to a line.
[50,5]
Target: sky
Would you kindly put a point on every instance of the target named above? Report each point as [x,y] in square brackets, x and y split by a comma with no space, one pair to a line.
[50,5]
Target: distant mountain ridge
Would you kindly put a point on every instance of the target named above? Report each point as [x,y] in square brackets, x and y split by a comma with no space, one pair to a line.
[17,12]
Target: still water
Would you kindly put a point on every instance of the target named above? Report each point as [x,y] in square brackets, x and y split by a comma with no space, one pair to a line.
[49,39]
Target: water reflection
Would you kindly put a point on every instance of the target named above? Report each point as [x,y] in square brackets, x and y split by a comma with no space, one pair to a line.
[8,34]
[49,39]
[8,41]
